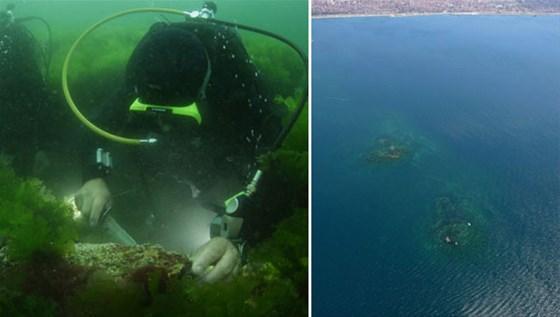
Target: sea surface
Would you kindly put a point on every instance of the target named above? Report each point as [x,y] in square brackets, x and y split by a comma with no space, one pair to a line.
[476,101]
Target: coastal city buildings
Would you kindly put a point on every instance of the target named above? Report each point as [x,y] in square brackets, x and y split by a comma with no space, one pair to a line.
[404,7]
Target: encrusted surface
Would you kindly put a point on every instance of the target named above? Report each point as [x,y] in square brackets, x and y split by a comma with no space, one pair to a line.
[119,261]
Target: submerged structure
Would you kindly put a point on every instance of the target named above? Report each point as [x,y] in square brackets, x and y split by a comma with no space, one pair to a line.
[457,223]
[389,149]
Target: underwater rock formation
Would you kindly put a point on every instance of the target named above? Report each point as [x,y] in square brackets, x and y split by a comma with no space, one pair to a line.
[119,263]
[457,223]
[123,262]
[388,149]
[75,284]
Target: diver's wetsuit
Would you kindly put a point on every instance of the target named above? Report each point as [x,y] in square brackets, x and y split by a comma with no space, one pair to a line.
[23,97]
[239,120]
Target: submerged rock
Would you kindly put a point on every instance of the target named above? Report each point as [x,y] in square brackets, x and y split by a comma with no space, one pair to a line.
[99,268]
[457,223]
[388,149]
[120,262]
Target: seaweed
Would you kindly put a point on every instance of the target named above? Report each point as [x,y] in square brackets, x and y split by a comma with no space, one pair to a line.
[32,221]
[297,139]
[287,166]
[279,63]
[15,304]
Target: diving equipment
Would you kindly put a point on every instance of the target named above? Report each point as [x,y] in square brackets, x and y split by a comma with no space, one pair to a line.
[228,222]
[120,139]
[235,203]
[103,162]
[8,18]
[187,111]
[208,11]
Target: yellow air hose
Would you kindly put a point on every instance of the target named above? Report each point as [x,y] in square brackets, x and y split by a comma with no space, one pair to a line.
[66,90]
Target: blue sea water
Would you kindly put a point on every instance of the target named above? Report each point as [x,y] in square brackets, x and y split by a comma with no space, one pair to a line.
[478,99]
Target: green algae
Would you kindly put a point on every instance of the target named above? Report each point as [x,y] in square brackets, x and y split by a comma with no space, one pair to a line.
[15,305]
[33,221]
[279,63]
[297,139]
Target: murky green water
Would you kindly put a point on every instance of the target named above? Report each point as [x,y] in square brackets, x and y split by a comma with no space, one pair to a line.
[150,208]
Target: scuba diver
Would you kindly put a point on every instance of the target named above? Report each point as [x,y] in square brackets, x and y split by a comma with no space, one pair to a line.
[24,107]
[192,86]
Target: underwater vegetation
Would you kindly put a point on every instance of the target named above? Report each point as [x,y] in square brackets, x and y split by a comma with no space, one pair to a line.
[276,60]
[99,63]
[297,139]
[32,221]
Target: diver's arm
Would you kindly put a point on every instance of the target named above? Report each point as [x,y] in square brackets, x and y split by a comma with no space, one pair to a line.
[112,117]
[94,197]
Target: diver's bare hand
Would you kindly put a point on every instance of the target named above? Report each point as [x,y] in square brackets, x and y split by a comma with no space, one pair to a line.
[216,260]
[93,198]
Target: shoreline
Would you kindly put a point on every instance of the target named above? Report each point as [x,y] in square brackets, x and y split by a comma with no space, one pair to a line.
[405,15]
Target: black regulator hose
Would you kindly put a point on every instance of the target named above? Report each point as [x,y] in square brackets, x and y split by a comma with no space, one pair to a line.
[301,104]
